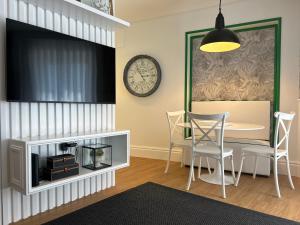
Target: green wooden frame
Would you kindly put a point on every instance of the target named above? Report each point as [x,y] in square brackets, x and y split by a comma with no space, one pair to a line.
[255,25]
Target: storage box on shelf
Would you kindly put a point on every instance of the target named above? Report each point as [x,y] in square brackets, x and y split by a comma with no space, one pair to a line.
[20,158]
[60,161]
[59,166]
[61,172]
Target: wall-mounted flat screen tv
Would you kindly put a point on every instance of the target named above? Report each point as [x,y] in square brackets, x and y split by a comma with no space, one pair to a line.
[47,66]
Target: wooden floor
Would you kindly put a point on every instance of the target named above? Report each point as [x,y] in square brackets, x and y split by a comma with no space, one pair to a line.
[258,194]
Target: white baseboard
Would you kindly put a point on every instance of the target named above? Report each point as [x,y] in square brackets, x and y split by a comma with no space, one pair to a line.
[162,154]
[294,165]
[155,153]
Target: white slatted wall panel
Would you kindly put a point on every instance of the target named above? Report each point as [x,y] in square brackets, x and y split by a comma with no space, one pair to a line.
[32,119]
[2,70]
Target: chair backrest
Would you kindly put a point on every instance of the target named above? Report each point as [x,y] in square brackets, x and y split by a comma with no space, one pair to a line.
[175,118]
[207,124]
[282,128]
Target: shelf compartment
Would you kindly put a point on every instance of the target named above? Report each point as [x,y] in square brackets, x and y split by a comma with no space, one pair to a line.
[21,149]
[83,174]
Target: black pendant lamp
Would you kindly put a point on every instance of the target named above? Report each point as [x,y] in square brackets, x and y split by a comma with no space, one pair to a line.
[220,39]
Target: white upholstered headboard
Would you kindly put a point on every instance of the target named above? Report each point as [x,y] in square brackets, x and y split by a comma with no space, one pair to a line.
[257,112]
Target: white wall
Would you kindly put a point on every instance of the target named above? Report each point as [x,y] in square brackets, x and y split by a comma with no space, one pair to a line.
[33,119]
[163,38]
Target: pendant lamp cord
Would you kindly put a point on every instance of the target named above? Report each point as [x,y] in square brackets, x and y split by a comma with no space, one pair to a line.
[220,5]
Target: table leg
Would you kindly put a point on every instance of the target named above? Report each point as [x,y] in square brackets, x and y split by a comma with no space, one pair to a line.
[216,176]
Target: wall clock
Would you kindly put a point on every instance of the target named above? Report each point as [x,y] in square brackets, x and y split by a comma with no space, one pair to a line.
[142,75]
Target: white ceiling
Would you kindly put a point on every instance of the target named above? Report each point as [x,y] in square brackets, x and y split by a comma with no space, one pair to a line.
[138,10]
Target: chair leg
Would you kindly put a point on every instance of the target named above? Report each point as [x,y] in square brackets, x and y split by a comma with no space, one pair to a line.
[169,158]
[223,178]
[190,174]
[208,165]
[199,168]
[255,167]
[240,171]
[289,172]
[232,169]
[193,170]
[182,157]
[275,169]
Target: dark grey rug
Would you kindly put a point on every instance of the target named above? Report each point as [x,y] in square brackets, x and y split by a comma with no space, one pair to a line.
[153,204]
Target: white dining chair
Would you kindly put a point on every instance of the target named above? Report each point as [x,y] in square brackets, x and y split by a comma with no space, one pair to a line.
[213,148]
[283,126]
[176,138]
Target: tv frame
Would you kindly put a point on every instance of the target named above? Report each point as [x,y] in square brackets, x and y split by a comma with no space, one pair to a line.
[53,102]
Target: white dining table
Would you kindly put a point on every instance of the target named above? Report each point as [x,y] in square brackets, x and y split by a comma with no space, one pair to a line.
[216,176]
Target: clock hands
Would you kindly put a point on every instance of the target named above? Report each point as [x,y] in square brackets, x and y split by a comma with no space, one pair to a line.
[149,75]
[139,72]
[138,69]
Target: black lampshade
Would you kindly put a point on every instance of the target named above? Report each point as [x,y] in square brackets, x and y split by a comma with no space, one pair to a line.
[220,39]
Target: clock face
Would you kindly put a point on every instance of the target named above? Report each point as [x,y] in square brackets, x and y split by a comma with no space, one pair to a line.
[142,75]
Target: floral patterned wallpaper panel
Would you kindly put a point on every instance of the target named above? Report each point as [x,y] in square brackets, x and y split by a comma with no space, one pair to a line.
[246,74]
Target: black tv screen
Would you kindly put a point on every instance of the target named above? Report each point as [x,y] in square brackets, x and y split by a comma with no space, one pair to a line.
[47,66]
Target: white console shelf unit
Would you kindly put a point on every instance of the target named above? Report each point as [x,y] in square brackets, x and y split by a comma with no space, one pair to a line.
[20,157]
[75,8]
